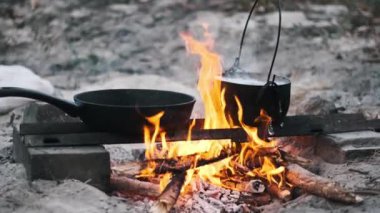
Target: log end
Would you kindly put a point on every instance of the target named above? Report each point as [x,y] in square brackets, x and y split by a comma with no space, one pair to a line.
[160,207]
[358,199]
[255,186]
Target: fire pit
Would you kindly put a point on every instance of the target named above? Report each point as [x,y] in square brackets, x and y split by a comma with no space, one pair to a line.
[216,163]
[54,146]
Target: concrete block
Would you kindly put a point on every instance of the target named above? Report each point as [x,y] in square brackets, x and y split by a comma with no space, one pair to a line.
[88,164]
[338,148]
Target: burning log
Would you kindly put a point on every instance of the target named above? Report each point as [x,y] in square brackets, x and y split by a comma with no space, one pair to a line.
[166,167]
[169,196]
[134,186]
[251,186]
[255,186]
[319,186]
[131,169]
[283,193]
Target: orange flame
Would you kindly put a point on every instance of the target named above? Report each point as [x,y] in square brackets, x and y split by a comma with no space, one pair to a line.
[212,96]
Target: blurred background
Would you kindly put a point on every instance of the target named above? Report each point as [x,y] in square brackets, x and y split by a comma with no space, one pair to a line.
[329,49]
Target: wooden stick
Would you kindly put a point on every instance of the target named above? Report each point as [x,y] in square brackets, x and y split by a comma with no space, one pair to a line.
[131,169]
[319,186]
[367,191]
[134,186]
[295,159]
[305,163]
[127,169]
[372,60]
[165,168]
[283,193]
[252,186]
[169,196]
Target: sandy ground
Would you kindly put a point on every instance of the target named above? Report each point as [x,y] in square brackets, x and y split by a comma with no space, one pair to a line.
[70,42]
[81,46]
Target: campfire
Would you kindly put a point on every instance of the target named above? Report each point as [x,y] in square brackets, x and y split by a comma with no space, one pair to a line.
[252,173]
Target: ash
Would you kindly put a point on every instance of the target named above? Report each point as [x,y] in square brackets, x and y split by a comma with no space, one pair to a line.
[206,197]
[202,197]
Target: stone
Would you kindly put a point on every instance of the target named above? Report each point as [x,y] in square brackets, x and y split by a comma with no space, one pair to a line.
[87,164]
[80,13]
[315,105]
[126,152]
[90,164]
[328,11]
[20,76]
[289,19]
[339,148]
[127,9]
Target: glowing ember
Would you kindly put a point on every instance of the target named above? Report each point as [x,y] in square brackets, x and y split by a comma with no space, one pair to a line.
[255,156]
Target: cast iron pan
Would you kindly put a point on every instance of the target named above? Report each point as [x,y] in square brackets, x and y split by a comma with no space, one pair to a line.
[118,110]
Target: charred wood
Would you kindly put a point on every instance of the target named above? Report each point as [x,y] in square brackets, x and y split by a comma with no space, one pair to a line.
[165,167]
[251,186]
[134,186]
[169,196]
[132,169]
[283,193]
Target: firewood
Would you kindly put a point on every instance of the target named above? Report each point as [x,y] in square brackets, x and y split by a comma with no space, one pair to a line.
[134,186]
[251,186]
[169,196]
[265,151]
[165,167]
[367,191]
[305,163]
[319,186]
[127,169]
[283,193]
[239,167]
[131,169]
[295,159]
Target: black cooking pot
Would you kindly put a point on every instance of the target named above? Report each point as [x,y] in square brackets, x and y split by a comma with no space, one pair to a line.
[119,110]
[255,94]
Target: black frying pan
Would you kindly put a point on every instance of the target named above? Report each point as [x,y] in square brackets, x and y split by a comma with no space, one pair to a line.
[118,110]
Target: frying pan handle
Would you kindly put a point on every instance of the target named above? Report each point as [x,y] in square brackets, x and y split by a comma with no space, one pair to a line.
[70,108]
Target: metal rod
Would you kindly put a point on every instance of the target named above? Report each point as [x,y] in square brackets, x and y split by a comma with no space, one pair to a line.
[278,40]
[237,60]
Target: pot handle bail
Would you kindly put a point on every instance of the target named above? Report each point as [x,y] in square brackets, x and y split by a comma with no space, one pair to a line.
[237,59]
